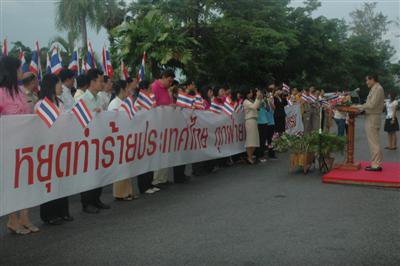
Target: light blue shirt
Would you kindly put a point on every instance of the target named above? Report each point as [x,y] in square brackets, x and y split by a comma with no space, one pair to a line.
[262,116]
[270,117]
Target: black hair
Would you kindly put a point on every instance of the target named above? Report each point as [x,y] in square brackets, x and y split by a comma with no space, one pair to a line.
[65,74]
[106,78]
[373,76]
[8,74]
[27,80]
[246,91]
[216,91]
[192,93]
[82,81]
[119,85]
[143,85]
[48,88]
[204,92]
[93,74]
[129,80]
[175,83]
[168,73]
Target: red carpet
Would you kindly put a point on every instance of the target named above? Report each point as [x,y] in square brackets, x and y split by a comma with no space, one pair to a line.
[389,177]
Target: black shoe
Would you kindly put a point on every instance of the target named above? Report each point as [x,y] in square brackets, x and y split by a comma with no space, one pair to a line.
[67,218]
[55,221]
[373,169]
[103,206]
[91,209]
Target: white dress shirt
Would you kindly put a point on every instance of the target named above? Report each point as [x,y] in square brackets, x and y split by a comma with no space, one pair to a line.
[66,98]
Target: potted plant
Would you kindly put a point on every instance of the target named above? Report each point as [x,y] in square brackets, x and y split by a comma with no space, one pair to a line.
[302,152]
[304,148]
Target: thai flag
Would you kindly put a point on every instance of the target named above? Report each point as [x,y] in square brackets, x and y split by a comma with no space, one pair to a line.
[286,88]
[336,100]
[146,100]
[215,107]
[228,107]
[129,107]
[325,103]
[141,73]
[35,63]
[24,65]
[306,98]
[85,66]
[5,48]
[124,72]
[239,106]
[55,62]
[107,66]
[313,98]
[82,113]
[48,64]
[48,112]
[198,102]
[74,64]
[90,56]
[185,100]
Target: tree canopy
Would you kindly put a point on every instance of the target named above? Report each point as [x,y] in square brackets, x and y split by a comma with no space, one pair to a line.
[254,42]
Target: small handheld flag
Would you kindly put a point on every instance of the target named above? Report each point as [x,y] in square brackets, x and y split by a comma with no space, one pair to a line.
[198,102]
[24,65]
[55,62]
[129,107]
[107,66]
[74,64]
[228,107]
[5,47]
[239,106]
[48,64]
[146,100]
[90,56]
[48,112]
[215,107]
[142,68]
[185,100]
[82,113]
[124,72]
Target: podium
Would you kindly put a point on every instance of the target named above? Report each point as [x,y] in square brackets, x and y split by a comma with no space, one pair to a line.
[350,163]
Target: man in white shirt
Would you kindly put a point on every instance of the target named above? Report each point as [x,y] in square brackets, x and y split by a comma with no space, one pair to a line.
[105,94]
[91,202]
[82,84]
[67,79]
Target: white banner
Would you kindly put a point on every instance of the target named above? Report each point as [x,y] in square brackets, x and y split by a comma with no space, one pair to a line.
[39,164]
[294,121]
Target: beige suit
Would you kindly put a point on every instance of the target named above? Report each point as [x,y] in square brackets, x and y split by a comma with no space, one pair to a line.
[373,109]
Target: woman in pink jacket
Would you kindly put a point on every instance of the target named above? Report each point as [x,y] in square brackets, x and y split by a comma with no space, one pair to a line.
[13,102]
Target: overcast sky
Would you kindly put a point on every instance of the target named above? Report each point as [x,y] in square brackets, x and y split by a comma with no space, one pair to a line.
[31,20]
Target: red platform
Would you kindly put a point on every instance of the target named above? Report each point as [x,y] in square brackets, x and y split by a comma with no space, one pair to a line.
[389,177]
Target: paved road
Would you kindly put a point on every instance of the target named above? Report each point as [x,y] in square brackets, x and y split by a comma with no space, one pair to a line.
[241,215]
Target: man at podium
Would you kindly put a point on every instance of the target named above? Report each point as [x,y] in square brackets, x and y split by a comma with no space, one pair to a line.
[373,109]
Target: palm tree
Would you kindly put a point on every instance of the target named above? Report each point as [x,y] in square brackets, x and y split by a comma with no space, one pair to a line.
[73,16]
[111,15]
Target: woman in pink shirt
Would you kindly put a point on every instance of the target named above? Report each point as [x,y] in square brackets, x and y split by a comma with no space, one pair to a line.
[13,102]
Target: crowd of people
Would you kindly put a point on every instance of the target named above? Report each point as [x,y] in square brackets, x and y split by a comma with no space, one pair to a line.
[264,112]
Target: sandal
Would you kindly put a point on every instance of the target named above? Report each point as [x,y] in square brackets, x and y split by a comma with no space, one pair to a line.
[31,227]
[19,230]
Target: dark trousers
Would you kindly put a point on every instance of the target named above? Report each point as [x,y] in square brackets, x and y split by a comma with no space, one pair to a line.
[91,197]
[54,209]
[341,125]
[270,134]
[262,132]
[179,174]
[144,181]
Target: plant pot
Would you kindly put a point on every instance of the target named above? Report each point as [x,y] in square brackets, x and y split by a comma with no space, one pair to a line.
[301,160]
